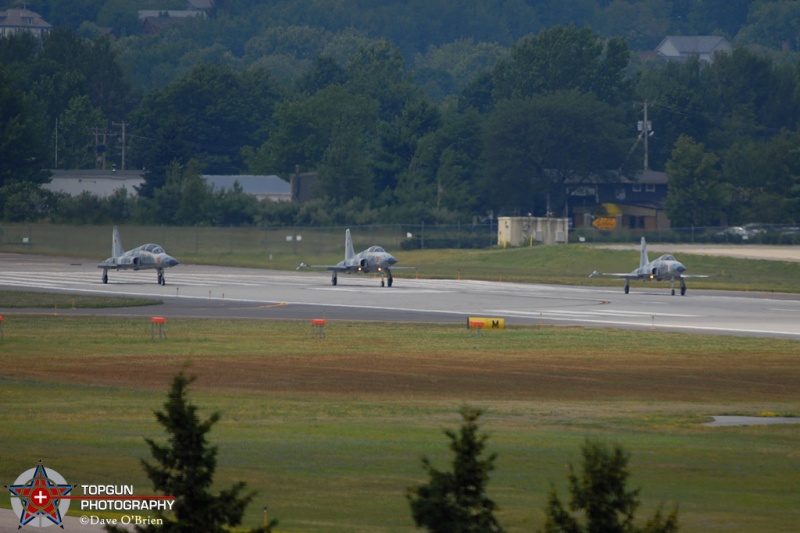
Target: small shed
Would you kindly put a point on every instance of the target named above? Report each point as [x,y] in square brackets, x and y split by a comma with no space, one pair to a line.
[527,231]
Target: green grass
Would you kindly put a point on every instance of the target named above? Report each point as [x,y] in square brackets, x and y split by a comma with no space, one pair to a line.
[33,300]
[330,431]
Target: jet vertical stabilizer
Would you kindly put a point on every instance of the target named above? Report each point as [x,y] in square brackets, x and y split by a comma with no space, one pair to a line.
[116,244]
[643,260]
[349,253]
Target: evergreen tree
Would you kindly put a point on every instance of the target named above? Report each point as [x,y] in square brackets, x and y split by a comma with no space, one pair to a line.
[599,491]
[455,502]
[184,468]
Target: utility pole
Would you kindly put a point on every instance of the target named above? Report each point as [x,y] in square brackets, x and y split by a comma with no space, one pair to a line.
[123,125]
[105,145]
[646,128]
[96,132]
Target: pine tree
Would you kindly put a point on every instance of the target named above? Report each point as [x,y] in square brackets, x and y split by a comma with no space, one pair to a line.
[600,492]
[455,502]
[184,468]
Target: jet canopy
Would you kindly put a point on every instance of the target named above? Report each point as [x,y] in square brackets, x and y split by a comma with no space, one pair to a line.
[152,248]
[376,249]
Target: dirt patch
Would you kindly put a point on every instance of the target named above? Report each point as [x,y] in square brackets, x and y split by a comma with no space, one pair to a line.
[648,378]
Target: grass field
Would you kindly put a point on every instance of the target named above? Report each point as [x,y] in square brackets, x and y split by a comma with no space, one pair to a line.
[330,431]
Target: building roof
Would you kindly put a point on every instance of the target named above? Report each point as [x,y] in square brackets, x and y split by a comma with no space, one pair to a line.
[101,183]
[261,186]
[145,14]
[23,19]
[685,46]
[202,5]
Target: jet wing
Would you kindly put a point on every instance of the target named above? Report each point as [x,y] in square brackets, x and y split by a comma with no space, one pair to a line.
[338,268]
[626,275]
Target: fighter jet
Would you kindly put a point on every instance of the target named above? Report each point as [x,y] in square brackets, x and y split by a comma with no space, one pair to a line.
[373,259]
[665,268]
[146,256]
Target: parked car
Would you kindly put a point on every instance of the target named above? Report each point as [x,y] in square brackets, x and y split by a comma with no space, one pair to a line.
[735,232]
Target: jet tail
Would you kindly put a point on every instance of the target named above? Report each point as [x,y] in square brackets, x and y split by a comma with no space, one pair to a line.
[116,244]
[349,253]
[643,260]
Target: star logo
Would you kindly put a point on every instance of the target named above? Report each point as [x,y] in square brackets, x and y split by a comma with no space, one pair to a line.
[38,493]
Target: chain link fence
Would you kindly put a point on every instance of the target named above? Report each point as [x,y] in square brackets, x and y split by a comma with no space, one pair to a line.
[95,241]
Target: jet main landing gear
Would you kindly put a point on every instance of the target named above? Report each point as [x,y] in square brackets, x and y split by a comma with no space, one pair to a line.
[389,278]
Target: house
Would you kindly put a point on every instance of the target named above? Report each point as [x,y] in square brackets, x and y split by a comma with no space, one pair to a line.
[636,204]
[16,20]
[155,20]
[681,48]
[101,183]
[262,187]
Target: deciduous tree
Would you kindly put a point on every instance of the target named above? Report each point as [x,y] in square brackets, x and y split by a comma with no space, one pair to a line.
[694,197]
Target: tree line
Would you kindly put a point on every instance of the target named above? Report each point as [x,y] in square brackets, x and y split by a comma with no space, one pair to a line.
[532,123]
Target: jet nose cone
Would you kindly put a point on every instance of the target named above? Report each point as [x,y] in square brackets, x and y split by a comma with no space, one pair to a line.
[391,259]
[171,261]
[680,268]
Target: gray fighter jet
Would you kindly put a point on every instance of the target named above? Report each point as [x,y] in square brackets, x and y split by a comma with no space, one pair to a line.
[665,268]
[146,256]
[373,259]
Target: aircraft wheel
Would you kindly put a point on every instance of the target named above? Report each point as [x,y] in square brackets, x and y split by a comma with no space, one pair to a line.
[673,292]
[683,291]
[390,280]
[105,277]
[383,284]
[333,280]
[627,289]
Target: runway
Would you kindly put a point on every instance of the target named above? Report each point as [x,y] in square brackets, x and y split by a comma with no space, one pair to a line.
[239,293]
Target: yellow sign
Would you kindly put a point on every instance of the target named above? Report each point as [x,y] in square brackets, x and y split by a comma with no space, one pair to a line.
[605,223]
[475,322]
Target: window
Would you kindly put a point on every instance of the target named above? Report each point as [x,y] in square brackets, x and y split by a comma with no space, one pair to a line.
[637,187]
[650,187]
